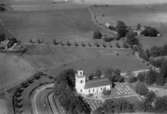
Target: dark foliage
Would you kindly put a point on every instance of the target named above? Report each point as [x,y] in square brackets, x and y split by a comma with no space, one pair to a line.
[150,32]
[121,29]
[141,89]
[97,34]
[161,104]
[131,38]
[64,91]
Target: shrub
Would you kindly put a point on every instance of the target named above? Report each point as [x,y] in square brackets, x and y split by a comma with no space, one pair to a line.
[2,37]
[141,89]
[68,43]
[161,104]
[117,45]
[125,45]
[104,46]
[97,34]
[76,44]
[131,38]
[97,45]
[150,32]
[55,42]
[2,7]
[121,29]
[132,79]
[108,39]
[83,44]
[106,92]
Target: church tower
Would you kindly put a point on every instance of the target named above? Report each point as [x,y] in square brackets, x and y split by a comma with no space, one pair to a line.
[80,82]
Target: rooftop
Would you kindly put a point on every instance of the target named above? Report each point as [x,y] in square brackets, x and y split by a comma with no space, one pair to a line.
[97,83]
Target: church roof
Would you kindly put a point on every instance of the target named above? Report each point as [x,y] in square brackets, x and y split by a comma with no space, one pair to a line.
[97,83]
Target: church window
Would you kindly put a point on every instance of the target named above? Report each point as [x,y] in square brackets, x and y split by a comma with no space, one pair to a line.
[81,81]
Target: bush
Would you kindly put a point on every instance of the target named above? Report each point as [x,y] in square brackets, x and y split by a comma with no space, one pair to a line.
[141,77]
[97,35]
[132,79]
[117,45]
[68,43]
[104,46]
[141,89]
[2,7]
[131,38]
[108,39]
[106,92]
[97,45]
[55,42]
[83,44]
[121,29]
[125,45]
[76,44]
[150,32]
[161,104]
[2,37]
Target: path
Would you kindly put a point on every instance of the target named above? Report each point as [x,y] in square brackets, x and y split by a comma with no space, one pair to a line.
[35,95]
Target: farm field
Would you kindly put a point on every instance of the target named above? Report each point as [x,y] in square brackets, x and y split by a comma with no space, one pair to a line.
[153,15]
[54,59]
[70,24]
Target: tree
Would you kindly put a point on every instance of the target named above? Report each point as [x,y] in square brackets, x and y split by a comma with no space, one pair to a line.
[161,104]
[109,107]
[123,105]
[131,38]
[150,77]
[155,51]
[150,97]
[108,39]
[2,37]
[98,73]
[121,29]
[141,77]
[114,75]
[141,89]
[163,69]
[99,110]
[97,34]
[106,92]
[150,32]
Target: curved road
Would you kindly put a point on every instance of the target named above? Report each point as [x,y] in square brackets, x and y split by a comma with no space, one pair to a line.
[39,100]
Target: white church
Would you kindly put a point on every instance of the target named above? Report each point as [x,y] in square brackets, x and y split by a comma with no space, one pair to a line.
[96,86]
[86,87]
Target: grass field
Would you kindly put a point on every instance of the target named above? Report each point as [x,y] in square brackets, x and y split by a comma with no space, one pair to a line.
[13,70]
[69,24]
[153,15]
[55,59]
[3,107]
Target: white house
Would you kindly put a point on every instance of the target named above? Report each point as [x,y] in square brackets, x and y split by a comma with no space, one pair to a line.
[86,87]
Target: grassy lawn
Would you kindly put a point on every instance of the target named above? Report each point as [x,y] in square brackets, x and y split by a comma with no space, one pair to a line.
[70,24]
[154,15]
